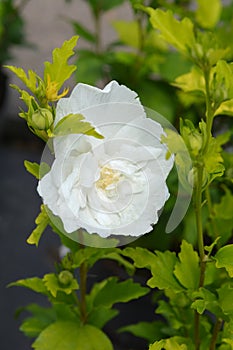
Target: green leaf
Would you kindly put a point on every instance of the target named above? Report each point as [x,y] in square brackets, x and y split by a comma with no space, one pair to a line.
[224,258]
[206,300]
[142,257]
[112,292]
[208,13]
[191,82]
[100,315]
[187,269]
[221,82]
[225,108]
[225,298]
[180,34]
[168,344]
[224,208]
[41,318]
[150,331]
[171,314]
[42,222]
[35,283]
[74,124]
[29,80]
[69,335]
[161,265]
[53,285]
[128,32]
[33,168]
[37,170]
[59,70]
[162,270]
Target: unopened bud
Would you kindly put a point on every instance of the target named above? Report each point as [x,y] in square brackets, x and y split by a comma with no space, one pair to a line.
[42,119]
[65,277]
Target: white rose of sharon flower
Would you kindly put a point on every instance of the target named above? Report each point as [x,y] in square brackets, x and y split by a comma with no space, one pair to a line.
[110,186]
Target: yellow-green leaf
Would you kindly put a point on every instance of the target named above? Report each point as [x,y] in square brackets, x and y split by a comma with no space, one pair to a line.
[59,70]
[42,222]
[75,124]
[224,258]
[180,34]
[187,269]
[208,13]
[68,335]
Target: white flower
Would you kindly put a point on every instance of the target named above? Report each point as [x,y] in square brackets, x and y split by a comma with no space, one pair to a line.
[111,186]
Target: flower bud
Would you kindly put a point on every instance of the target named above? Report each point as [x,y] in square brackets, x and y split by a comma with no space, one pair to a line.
[65,277]
[195,141]
[41,119]
[193,177]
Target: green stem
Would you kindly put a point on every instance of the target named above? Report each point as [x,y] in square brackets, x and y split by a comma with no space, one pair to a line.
[209,109]
[200,240]
[198,200]
[216,330]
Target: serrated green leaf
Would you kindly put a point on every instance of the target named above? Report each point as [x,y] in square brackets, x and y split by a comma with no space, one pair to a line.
[180,34]
[150,331]
[191,82]
[224,258]
[225,108]
[206,300]
[69,335]
[33,168]
[225,294]
[54,286]
[59,70]
[41,318]
[42,222]
[114,291]
[168,344]
[29,80]
[37,170]
[90,255]
[142,257]
[187,269]
[208,13]
[75,124]
[34,283]
[162,270]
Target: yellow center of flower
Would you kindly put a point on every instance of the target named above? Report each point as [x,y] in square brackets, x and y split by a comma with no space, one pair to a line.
[108,177]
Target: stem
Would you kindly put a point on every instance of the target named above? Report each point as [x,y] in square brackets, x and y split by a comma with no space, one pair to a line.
[83,289]
[198,200]
[216,330]
[209,109]
[197,207]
